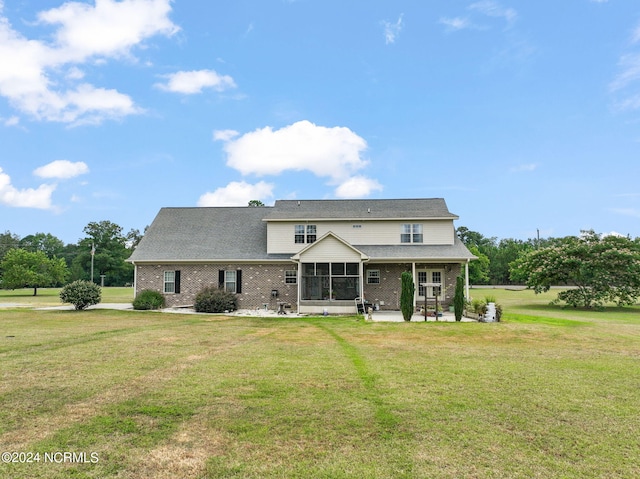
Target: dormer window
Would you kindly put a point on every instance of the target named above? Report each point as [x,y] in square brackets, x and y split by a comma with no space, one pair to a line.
[411,233]
[305,234]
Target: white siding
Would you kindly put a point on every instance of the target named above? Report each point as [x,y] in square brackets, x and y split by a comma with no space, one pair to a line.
[329,250]
[280,235]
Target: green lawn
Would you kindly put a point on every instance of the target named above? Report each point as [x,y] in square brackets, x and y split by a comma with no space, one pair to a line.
[546,393]
[51,296]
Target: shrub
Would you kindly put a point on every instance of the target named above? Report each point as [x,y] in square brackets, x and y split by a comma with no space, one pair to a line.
[215,300]
[81,294]
[148,299]
[406,295]
[478,306]
[458,298]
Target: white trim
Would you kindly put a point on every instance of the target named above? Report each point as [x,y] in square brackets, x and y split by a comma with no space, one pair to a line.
[135,279]
[415,283]
[466,280]
[296,257]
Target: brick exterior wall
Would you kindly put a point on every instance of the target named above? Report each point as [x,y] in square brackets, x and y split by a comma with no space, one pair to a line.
[387,292]
[257,282]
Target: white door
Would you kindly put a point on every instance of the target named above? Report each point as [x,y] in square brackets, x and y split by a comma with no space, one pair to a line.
[430,276]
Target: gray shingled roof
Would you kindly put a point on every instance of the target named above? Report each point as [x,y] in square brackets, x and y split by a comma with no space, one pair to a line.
[354,209]
[200,234]
[457,251]
[240,233]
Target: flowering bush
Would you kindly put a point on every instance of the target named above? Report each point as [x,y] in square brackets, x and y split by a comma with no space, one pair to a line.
[599,269]
[81,294]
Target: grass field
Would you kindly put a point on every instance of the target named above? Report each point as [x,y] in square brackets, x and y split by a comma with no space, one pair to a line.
[548,393]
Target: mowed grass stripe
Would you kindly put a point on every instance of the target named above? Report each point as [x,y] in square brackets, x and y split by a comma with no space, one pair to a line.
[383,416]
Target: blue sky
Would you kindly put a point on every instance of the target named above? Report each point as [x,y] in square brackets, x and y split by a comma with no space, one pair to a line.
[524,116]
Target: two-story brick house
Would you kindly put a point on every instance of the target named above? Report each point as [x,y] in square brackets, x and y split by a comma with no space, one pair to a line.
[316,255]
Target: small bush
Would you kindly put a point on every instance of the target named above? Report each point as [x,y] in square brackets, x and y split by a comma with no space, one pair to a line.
[81,294]
[148,299]
[478,306]
[215,300]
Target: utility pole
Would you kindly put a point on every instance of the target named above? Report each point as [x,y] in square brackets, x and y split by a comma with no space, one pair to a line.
[93,253]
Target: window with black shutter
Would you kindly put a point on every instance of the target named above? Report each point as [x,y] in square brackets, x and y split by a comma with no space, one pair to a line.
[230,280]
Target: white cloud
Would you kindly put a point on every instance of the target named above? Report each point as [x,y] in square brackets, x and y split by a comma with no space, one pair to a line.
[11,121]
[75,73]
[456,23]
[494,9]
[26,198]
[326,152]
[110,28]
[224,135]
[334,153]
[392,30]
[191,82]
[38,78]
[357,187]
[630,71]
[62,169]
[237,193]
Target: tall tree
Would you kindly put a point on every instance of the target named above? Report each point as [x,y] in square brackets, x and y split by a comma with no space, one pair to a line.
[506,252]
[109,256]
[599,269]
[479,268]
[45,242]
[32,269]
[8,241]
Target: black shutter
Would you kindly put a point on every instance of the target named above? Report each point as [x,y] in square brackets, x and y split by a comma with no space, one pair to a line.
[221,279]
[177,281]
[239,281]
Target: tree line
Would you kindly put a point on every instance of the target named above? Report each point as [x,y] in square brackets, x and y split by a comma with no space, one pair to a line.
[600,268]
[43,260]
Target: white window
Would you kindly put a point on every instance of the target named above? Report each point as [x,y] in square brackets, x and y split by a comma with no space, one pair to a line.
[291,276]
[169,281]
[411,233]
[373,276]
[230,281]
[304,233]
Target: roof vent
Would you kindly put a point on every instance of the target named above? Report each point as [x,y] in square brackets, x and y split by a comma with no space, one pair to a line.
[298,203]
[368,210]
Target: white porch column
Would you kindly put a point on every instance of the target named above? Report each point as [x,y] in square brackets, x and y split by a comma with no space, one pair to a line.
[466,280]
[135,279]
[362,280]
[299,285]
[415,284]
